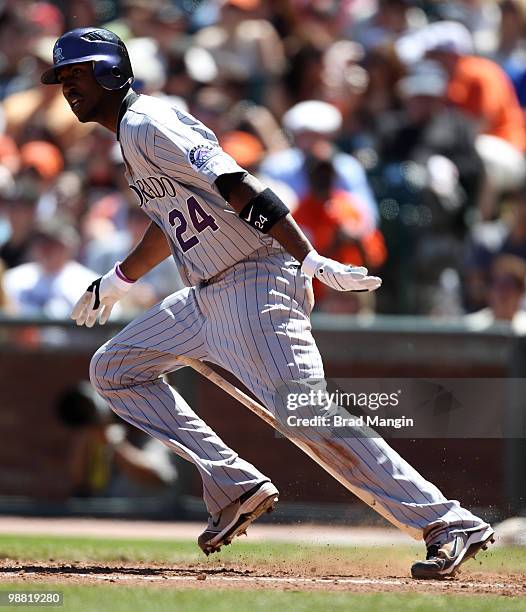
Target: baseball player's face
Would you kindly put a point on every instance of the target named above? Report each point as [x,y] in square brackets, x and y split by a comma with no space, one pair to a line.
[81,90]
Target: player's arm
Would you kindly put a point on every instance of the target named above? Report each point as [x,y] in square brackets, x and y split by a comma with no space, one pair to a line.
[262,209]
[102,295]
[240,190]
[149,252]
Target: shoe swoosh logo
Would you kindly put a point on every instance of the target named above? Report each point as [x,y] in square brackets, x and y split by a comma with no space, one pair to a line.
[216,523]
[249,216]
[456,550]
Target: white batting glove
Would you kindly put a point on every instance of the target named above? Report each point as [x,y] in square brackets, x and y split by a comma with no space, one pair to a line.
[100,298]
[342,277]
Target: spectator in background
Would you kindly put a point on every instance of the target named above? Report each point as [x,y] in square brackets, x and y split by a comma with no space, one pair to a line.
[178,80]
[98,166]
[428,166]
[245,148]
[46,18]
[346,83]
[514,241]
[81,13]
[245,46]
[109,458]
[170,24]
[314,126]
[66,200]
[481,89]
[50,284]
[369,89]
[189,69]
[9,154]
[305,68]
[211,106]
[150,71]
[335,225]
[480,17]
[511,50]
[43,162]
[44,158]
[15,39]
[391,19]
[384,70]
[144,19]
[505,296]
[259,121]
[21,203]
[487,241]
[323,16]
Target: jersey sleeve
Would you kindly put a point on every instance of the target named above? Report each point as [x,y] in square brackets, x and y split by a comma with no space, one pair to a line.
[185,149]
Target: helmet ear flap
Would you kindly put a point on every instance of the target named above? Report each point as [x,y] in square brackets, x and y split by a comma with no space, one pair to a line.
[110,76]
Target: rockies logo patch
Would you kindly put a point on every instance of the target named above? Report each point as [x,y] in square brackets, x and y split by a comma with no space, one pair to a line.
[57,55]
[199,155]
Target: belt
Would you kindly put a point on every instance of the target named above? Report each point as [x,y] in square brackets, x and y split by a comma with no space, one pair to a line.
[215,278]
[223,273]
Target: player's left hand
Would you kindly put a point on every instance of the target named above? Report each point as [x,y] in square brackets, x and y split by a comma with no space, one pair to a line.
[342,277]
[100,298]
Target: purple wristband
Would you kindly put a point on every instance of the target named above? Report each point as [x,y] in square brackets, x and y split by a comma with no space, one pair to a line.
[121,274]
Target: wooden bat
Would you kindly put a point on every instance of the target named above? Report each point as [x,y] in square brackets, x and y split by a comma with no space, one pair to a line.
[307,447]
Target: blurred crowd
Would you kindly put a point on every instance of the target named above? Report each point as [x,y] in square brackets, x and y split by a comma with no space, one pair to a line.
[111,458]
[393,129]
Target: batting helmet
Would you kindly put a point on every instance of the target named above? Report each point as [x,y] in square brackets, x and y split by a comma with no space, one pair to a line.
[111,64]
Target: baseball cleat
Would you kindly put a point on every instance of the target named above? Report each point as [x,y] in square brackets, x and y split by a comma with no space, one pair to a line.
[233,520]
[443,560]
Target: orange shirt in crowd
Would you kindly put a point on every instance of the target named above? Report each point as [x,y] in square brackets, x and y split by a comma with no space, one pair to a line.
[321,221]
[481,88]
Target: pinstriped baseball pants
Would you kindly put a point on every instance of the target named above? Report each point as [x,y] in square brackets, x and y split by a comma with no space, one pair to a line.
[254,322]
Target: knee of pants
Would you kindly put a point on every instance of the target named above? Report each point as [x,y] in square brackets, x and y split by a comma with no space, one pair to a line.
[101,371]
[116,368]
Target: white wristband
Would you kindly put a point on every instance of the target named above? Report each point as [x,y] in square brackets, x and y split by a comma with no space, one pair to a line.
[118,281]
[311,263]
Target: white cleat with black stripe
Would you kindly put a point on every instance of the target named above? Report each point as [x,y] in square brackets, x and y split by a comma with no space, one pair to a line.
[236,517]
[443,560]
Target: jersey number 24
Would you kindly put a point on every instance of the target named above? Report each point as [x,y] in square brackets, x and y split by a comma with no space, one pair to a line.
[200,220]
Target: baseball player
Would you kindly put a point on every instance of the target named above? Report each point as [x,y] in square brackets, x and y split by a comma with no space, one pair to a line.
[248,273]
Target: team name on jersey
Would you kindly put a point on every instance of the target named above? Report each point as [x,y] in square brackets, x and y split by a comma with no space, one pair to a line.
[153,187]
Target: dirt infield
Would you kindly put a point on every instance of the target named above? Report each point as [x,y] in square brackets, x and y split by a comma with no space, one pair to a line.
[200,576]
[327,572]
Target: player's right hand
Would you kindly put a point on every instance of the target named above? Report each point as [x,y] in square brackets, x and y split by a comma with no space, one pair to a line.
[342,277]
[100,298]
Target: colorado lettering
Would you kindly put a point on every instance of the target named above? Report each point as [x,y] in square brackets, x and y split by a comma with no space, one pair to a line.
[153,187]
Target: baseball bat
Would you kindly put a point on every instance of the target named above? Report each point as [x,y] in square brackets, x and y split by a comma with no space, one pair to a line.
[309,450]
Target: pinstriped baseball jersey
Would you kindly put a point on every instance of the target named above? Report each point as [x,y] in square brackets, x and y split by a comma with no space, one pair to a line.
[173,161]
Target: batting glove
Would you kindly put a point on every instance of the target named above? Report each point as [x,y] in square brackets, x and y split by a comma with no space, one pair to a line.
[336,275]
[100,298]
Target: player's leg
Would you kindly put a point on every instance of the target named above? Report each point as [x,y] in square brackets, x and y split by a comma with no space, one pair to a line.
[262,335]
[127,371]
